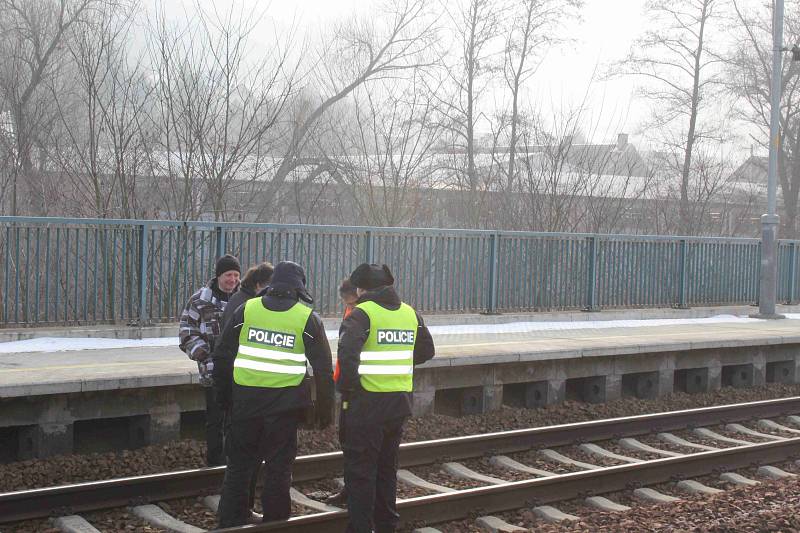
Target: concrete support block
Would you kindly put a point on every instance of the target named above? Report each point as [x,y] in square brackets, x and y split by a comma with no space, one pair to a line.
[714,376]
[759,369]
[692,380]
[163,424]
[642,385]
[424,402]
[594,389]
[781,372]
[536,394]
[492,397]
[666,381]
[737,376]
[45,440]
[468,400]
[613,387]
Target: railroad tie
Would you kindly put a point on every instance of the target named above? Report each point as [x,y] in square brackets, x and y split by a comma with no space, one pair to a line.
[695,487]
[301,499]
[549,513]
[769,424]
[638,446]
[652,495]
[74,524]
[156,516]
[599,451]
[212,502]
[426,530]
[557,457]
[773,472]
[737,479]
[501,461]
[496,525]
[738,428]
[674,439]
[460,471]
[413,480]
[604,504]
[709,434]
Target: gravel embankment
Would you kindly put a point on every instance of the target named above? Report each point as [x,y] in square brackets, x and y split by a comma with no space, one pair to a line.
[771,506]
[190,454]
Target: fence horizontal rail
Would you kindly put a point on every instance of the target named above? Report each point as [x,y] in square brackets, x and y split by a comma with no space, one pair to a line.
[82,271]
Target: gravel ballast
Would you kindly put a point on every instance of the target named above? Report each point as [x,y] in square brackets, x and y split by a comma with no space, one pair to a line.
[186,454]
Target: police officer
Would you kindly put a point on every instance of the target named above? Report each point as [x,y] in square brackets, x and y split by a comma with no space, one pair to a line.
[379,345]
[259,371]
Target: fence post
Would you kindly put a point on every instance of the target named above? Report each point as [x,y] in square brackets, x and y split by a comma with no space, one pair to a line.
[591,275]
[792,272]
[683,257]
[494,245]
[144,251]
[370,248]
[220,241]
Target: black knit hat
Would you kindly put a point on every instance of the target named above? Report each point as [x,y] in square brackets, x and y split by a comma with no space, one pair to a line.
[225,263]
[289,277]
[368,277]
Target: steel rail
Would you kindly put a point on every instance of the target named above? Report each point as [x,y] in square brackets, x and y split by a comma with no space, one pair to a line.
[37,503]
[470,503]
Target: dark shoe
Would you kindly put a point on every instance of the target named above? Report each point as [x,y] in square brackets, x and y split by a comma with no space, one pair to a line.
[339,499]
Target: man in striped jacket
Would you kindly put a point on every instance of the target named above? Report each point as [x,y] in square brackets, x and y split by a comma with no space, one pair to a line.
[200,326]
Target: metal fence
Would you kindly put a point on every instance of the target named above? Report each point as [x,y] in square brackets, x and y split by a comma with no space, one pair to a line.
[76,271]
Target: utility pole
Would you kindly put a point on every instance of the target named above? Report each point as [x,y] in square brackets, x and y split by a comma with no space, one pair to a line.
[769,221]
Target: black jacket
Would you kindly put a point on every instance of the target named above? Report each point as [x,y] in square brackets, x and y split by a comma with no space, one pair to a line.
[366,407]
[238,298]
[248,402]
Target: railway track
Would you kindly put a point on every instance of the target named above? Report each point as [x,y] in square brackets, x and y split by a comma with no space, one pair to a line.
[580,467]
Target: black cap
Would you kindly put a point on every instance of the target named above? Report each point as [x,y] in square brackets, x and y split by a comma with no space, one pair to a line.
[369,277]
[289,277]
[225,263]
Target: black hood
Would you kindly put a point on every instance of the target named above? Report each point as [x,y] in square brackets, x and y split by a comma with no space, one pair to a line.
[289,279]
[385,296]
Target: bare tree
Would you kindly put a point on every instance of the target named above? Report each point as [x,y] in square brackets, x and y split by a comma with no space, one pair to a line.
[383,155]
[533,30]
[214,111]
[748,81]
[682,73]
[95,146]
[358,52]
[476,25]
[32,34]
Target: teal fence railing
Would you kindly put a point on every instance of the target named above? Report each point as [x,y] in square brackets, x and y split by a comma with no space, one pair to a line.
[76,271]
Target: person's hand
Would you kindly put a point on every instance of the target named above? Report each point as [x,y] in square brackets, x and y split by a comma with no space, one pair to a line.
[323,415]
[206,373]
[200,354]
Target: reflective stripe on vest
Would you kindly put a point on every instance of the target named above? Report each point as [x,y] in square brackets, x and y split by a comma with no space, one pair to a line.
[271,349]
[387,358]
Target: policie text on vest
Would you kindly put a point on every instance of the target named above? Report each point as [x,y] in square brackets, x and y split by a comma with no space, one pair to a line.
[271,338]
[395,336]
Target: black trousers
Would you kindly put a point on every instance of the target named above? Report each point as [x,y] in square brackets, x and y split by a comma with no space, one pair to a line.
[370,475]
[215,430]
[271,439]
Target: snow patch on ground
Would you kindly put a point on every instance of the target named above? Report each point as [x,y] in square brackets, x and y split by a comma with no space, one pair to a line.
[59,344]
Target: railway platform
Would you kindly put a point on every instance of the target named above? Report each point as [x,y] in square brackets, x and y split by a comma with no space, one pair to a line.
[482,362]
